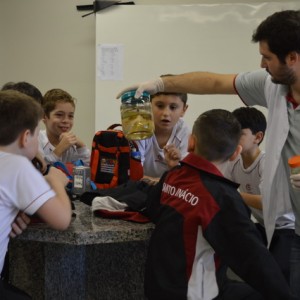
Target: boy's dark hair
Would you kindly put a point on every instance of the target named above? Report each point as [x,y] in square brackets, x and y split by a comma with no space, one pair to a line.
[183,97]
[8,86]
[281,31]
[25,88]
[217,132]
[251,118]
[52,97]
[18,112]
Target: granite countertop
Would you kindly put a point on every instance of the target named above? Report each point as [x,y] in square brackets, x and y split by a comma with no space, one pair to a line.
[87,229]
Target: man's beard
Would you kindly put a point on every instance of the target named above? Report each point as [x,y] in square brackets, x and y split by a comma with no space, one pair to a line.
[284,76]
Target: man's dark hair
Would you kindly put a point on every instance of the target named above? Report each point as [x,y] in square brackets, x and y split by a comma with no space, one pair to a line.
[281,31]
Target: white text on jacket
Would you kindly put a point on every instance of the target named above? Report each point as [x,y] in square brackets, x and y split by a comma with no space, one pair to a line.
[181,194]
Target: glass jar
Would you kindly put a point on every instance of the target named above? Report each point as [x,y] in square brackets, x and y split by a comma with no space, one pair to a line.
[136,115]
[294,163]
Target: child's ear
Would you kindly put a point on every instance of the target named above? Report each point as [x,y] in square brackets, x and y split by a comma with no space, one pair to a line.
[44,118]
[23,138]
[191,143]
[237,152]
[184,110]
[259,136]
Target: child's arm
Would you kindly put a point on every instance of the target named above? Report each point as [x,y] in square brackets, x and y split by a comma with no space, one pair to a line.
[40,163]
[153,199]
[57,180]
[79,143]
[150,180]
[254,201]
[57,210]
[67,140]
[83,152]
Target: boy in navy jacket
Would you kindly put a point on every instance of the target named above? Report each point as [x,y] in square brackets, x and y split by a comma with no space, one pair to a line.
[201,221]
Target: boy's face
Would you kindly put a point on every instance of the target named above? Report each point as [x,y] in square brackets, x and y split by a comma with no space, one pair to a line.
[32,144]
[167,109]
[248,140]
[60,119]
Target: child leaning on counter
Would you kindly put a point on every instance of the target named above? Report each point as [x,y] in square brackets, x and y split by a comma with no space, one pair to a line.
[23,189]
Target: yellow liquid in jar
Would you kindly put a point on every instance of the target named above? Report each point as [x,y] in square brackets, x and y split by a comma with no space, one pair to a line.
[137,124]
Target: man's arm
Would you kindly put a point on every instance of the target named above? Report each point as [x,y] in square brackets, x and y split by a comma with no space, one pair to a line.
[200,83]
[192,83]
[254,201]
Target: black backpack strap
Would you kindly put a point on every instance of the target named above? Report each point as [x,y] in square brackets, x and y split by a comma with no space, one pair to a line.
[113,126]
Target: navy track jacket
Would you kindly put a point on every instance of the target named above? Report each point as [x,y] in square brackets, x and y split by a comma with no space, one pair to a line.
[201,220]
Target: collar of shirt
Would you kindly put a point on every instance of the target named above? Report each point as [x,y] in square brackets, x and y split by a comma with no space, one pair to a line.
[289,98]
[201,164]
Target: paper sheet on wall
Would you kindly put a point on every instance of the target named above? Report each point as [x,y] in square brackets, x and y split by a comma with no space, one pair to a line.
[110,58]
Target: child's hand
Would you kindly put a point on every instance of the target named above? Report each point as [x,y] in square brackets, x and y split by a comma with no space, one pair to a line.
[19,224]
[67,139]
[172,155]
[40,163]
[56,175]
[150,180]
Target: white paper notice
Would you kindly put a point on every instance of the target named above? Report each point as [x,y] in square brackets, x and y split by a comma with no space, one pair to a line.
[110,58]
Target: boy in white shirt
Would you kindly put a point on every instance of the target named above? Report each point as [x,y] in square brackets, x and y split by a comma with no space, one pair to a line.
[22,187]
[171,135]
[247,170]
[58,142]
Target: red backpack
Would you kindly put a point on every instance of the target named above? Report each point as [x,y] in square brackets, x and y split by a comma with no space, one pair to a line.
[114,159]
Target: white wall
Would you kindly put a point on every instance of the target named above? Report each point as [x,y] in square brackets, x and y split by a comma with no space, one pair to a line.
[50,45]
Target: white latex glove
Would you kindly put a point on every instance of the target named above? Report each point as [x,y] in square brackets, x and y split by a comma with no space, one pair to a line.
[152,87]
[295,181]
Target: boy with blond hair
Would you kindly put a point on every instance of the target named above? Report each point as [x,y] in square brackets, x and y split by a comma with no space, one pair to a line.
[58,142]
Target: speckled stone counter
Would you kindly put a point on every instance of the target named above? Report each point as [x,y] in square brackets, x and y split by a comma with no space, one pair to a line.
[95,258]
